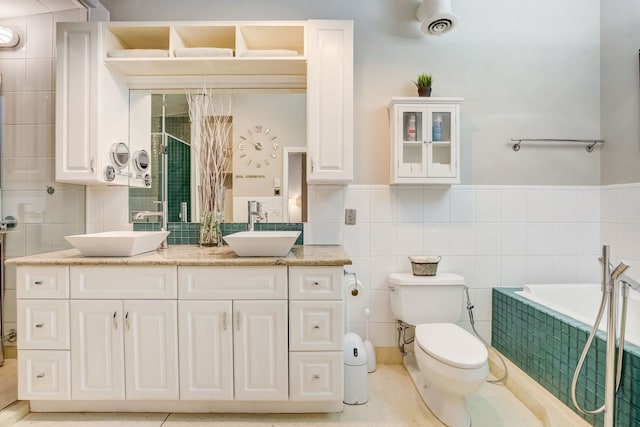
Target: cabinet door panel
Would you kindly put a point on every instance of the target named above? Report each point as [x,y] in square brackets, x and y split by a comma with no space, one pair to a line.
[260,350]
[97,352]
[330,101]
[206,350]
[151,349]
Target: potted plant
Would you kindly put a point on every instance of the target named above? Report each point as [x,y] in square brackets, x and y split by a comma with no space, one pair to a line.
[423,83]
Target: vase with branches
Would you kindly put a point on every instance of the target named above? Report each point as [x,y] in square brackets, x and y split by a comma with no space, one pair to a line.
[210,115]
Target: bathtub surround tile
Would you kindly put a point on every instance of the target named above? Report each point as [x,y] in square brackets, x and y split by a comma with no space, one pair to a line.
[539,269]
[588,204]
[487,272]
[628,238]
[539,204]
[564,205]
[487,238]
[514,238]
[564,238]
[514,271]
[462,239]
[588,269]
[514,204]
[628,205]
[564,269]
[539,238]
[588,238]
[608,204]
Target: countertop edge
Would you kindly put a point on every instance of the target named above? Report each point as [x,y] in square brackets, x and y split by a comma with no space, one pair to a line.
[186,255]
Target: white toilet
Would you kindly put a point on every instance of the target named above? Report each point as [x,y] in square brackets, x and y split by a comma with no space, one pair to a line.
[447,363]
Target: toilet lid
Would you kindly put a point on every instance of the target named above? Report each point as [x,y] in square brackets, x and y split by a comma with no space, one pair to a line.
[451,344]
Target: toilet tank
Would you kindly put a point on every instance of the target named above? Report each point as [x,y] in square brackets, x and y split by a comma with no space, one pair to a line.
[426,299]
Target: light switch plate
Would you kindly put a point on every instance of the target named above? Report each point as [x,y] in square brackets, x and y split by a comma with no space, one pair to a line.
[350,216]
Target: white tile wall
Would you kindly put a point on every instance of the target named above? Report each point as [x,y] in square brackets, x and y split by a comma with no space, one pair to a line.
[28,149]
[492,235]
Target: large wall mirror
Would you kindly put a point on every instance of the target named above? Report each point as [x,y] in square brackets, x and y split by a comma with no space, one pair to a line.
[268,149]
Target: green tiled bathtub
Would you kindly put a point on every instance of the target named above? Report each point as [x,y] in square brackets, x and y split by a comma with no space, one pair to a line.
[547,344]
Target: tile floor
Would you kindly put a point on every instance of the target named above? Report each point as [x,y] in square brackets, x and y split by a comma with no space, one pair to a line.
[393,402]
[8,382]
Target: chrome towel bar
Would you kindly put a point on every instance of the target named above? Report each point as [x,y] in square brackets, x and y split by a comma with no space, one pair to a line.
[591,143]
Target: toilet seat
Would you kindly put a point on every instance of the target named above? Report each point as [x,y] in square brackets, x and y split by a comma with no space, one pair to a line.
[452,345]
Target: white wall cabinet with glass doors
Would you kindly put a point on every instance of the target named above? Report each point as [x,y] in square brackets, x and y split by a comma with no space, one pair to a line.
[425,140]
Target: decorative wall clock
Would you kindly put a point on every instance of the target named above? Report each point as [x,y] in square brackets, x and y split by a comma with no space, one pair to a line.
[258,147]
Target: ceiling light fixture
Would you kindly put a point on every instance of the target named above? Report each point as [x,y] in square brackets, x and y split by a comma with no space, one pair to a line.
[8,38]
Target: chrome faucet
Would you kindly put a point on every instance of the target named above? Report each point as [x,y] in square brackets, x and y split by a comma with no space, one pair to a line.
[255,213]
[160,214]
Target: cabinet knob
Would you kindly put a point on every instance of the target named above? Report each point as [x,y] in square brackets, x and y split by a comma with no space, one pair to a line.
[316,283]
[115,321]
[39,325]
[316,326]
[126,320]
[224,321]
[38,282]
[40,376]
[316,377]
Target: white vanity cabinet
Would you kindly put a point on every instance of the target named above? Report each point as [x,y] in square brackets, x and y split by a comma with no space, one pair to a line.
[121,347]
[233,333]
[425,140]
[91,102]
[330,102]
[315,333]
[180,336]
[43,338]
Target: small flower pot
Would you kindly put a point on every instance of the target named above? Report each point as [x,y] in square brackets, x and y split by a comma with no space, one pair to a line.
[424,91]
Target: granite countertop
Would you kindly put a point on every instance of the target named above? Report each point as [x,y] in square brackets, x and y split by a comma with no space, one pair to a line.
[307,255]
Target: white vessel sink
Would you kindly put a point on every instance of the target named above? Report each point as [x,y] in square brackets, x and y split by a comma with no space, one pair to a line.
[262,243]
[117,243]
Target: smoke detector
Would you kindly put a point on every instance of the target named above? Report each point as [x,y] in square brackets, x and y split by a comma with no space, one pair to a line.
[436,17]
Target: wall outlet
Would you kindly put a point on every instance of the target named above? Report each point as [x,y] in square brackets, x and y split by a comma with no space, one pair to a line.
[350,216]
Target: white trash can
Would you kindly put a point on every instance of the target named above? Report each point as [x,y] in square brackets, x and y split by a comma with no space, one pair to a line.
[356,383]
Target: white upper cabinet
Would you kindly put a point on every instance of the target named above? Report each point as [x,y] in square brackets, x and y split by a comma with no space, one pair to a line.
[90,101]
[98,62]
[330,102]
[229,54]
[425,140]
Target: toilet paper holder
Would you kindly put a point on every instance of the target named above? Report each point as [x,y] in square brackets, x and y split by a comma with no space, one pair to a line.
[352,282]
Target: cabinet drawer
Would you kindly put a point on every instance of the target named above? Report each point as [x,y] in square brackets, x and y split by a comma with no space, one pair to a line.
[232,282]
[316,376]
[315,282]
[42,282]
[315,325]
[43,375]
[43,324]
[123,282]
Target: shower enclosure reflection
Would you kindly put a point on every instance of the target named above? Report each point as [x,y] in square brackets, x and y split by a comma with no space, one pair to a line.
[270,169]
